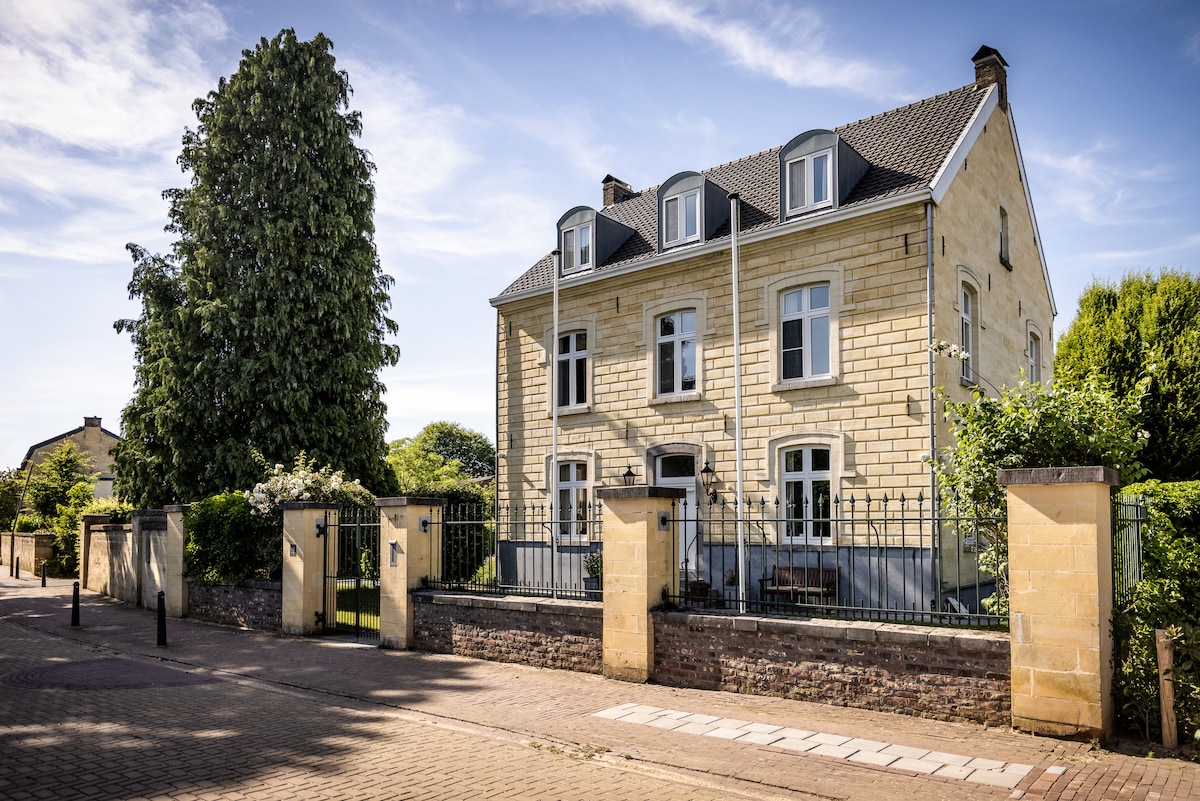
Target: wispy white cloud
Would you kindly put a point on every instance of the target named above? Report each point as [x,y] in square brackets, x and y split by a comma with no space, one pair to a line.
[1169,250]
[1191,46]
[440,188]
[91,119]
[1103,184]
[781,41]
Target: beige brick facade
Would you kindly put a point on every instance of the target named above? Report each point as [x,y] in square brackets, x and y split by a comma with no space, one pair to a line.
[872,411]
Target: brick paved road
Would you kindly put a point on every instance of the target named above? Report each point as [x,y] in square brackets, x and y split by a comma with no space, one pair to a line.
[99,712]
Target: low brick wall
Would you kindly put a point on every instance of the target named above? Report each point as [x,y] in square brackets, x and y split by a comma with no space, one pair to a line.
[31,549]
[254,605]
[543,633]
[944,674]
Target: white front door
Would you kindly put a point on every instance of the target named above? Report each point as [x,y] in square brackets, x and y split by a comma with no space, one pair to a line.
[679,470]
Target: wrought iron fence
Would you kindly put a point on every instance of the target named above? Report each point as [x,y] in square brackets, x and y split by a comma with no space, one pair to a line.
[875,558]
[527,550]
[1130,514]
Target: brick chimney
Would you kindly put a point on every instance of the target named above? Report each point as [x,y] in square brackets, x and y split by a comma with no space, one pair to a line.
[91,422]
[615,190]
[990,69]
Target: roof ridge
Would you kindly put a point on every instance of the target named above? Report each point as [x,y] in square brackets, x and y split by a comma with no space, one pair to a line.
[923,101]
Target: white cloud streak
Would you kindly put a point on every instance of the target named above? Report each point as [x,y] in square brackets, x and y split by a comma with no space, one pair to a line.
[1098,186]
[781,41]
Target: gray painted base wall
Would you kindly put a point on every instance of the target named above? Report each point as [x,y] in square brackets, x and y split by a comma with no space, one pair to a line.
[255,605]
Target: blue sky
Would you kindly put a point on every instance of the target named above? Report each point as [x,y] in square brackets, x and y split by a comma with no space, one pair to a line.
[488,120]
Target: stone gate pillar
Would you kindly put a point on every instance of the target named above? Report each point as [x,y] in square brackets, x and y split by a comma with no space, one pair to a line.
[1061,599]
[637,566]
[407,542]
[304,566]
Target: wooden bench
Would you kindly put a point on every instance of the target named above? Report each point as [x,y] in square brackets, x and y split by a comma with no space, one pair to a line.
[798,583]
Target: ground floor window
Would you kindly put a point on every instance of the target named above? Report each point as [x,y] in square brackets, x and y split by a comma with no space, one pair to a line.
[808,493]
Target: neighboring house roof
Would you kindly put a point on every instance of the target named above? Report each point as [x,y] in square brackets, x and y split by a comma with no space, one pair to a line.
[907,149]
[60,438]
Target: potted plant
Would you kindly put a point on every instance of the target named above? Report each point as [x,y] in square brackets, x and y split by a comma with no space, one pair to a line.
[593,566]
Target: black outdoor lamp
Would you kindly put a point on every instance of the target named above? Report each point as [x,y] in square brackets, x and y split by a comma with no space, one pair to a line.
[708,477]
[629,475]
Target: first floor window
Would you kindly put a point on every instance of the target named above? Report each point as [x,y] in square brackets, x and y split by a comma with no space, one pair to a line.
[1035,358]
[572,369]
[968,318]
[677,352]
[805,334]
[572,512]
[808,493]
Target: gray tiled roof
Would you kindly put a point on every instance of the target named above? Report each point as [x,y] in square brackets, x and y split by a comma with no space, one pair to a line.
[905,148]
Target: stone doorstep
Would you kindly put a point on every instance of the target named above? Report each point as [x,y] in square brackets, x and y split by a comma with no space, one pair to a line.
[875,753]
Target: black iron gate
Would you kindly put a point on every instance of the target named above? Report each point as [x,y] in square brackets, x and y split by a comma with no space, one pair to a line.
[352,573]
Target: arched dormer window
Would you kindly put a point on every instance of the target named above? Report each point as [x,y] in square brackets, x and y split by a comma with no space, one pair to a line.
[587,239]
[817,170]
[690,209]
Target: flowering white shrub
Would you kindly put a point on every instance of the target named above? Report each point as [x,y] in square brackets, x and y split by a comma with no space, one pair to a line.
[951,350]
[306,483]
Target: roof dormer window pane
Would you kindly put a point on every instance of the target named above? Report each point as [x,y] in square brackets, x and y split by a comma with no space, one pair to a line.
[810,181]
[576,248]
[820,175]
[681,218]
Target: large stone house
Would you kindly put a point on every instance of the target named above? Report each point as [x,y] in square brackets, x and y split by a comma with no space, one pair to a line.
[856,249]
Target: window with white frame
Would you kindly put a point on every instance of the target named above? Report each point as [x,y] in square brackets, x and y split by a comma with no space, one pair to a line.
[676,366]
[572,514]
[808,493]
[804,336]
[1035,357]
[969,326]
[572,369]
[577,248]
[681,218]
[810,181]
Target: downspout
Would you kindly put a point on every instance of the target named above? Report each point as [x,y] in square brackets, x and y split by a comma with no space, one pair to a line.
[734,209]
[554,431]
[496,467]
[933,488]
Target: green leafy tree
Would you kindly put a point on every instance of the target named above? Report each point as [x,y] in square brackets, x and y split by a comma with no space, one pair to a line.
[443,461]
[1031,426]
[56,477]
[228,543]
[12,481]
[265,327]
[1167,597]
[443,456]
[1147,327]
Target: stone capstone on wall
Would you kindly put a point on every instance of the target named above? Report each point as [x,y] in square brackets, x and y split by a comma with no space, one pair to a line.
[944,674]
[539,632]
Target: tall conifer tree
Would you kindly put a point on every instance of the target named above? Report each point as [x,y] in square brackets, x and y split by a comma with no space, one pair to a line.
[265,328]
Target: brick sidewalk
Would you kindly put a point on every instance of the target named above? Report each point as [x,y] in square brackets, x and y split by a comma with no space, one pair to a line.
[258,715]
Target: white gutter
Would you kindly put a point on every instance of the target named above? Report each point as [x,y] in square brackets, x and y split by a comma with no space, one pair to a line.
[734,219]
[933,498]
[966,140]
[1037,236]
[719,245]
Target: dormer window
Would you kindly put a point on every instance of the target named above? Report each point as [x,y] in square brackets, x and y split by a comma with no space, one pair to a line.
[809,181]
[690,209]
[587,239]
[681,218]
[577,248]
[817,170]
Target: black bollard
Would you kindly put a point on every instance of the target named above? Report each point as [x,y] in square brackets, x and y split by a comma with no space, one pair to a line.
[43,573]
[17,567]
[162,619]
[75,605]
